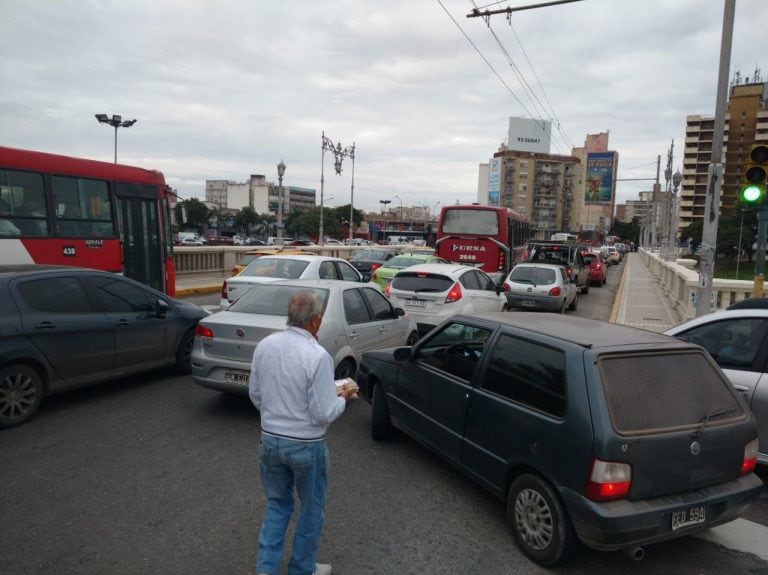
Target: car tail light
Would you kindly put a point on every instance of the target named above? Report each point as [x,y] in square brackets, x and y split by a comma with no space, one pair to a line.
[375,266]
[202,331]
[608,481]
[454,294]
[750,458]
[374,277]
[224,294]
[569,271]
[505,287]
[386,289]
[555,291]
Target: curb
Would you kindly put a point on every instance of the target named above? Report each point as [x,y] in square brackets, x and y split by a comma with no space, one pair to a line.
[201,290]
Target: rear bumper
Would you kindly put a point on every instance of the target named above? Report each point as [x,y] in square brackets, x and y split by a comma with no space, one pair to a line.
[621,524]
[533,304]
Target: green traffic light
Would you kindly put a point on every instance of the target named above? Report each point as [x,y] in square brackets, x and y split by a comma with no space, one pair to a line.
[752,194]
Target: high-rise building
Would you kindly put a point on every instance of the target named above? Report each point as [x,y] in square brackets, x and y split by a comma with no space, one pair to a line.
[596,182]
[746,124]
[262,196]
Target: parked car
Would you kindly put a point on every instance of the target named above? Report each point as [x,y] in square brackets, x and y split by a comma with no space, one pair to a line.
[66,327]
[255,242]
[251,255]
[191,239]
[433,292]
[566,254]
[356,318]
[540,287]
[300,243]
[384,274]
[598,271]
[367,260]
[577,424]
[272,240]
[221,241]
[239,241]
[277,267]
[332,242]
[736,340]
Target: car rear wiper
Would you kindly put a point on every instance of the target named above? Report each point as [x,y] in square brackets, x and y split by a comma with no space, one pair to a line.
[704,421]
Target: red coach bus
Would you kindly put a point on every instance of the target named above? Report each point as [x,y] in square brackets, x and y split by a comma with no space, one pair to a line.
[489,237]
[72,211]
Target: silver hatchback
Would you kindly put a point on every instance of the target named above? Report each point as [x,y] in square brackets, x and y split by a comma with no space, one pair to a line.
[540,287]
[357,318]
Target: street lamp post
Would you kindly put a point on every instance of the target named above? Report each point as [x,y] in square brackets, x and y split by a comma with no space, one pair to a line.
[401,207]
[116,122]
[384,205]
[667,251]
[338,155]
[280,173]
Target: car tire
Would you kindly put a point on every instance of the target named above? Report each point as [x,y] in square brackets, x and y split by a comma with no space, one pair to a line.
[184,353]
[585,289]
[21,391]
[413,337]
[381,427]
[345,369]
[574,303]
[540,524]
[563,307]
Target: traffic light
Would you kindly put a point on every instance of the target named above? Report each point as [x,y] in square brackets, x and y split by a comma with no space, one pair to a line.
[753,184]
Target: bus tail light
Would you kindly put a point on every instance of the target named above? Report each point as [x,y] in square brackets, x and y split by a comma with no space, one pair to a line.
[454,294]
[500,262]
[204,332]
[555,291]
[750,458]
[608,480]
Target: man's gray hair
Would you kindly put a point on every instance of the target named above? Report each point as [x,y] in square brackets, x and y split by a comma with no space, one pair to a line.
[302,307]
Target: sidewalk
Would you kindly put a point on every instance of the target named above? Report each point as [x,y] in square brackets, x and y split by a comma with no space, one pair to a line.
[639,303]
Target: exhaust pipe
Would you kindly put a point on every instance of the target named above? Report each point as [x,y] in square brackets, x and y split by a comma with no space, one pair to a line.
[636,553]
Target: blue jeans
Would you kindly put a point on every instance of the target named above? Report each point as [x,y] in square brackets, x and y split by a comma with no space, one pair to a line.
[286,464]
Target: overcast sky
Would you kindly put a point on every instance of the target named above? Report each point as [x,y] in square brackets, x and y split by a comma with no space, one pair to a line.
[228,88]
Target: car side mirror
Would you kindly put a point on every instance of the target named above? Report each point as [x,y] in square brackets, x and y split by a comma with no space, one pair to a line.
[365,278]
[161,308]
[399,312]
[402,353]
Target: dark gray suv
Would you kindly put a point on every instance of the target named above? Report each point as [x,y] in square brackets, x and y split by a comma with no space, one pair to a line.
[66,327]
[593,432]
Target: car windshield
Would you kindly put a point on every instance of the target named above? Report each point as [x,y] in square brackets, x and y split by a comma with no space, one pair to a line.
[275,268]
[272,298]
[534,275]
[403,262]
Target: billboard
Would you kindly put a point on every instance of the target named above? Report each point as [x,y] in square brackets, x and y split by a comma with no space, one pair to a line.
[599,180]
[527,135]
[494,180]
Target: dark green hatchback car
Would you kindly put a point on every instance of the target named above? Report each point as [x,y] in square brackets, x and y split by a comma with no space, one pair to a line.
[592,432]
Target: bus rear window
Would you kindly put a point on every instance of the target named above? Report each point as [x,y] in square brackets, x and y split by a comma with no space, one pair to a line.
[470,222]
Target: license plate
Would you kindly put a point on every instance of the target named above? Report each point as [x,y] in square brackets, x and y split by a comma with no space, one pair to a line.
[688,517]
[237,376]
[416,302]
[526,303]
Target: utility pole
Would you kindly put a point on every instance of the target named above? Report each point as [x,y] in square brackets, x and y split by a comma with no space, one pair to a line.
[486,14]
[715,170]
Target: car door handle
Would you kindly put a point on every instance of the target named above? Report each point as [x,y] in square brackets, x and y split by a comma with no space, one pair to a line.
[382,329]
[122,323]
[352,334]
[45,325]
[741,388]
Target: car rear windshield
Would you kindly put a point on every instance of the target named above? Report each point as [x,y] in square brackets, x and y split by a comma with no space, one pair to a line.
[589,258]
[533,275]
[275,268]
[272,298]
[421,282]
[648,393]
[401,262]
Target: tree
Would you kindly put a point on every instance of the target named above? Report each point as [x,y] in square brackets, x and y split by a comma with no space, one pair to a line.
[197,214]
[246,219]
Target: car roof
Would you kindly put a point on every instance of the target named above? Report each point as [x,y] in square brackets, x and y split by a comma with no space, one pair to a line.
[30,269]
[302,257]
[588,333]
[716,316]
[324,283]
[537,265]
[410,256]
[437,268]
[270,251]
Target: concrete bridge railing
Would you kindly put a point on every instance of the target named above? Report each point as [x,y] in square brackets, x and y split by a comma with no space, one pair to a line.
[679,285]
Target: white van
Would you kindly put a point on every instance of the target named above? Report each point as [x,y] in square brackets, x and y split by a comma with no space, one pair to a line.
[272,240]
[191,239]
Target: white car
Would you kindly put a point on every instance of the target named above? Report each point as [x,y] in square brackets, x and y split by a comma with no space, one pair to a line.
[357,318]
[434,292]
[239,241]
[534,286]
[273,268]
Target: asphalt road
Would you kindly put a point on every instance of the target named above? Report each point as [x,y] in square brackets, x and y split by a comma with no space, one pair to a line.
[155,475]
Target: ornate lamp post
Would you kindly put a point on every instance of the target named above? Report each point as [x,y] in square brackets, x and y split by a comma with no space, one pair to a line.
[401,207]
[339,154]
[280,173]
[116,122]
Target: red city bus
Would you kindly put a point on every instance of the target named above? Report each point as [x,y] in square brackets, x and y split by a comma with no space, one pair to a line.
[591,237]
[489,237]
[72,211]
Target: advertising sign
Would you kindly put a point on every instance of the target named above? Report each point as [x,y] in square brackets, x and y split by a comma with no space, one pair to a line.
[494,179]
[527,135]
[599,181]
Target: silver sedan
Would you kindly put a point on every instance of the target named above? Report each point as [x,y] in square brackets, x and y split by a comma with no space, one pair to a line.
[357,318]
